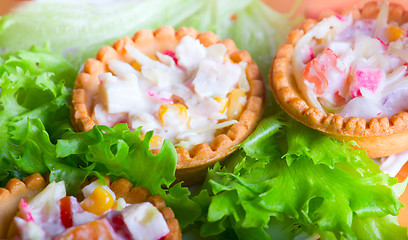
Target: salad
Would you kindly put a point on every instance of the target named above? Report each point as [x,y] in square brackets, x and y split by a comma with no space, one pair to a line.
[53,215]
[166,92]
[286,180]
[366,58]
[194,89]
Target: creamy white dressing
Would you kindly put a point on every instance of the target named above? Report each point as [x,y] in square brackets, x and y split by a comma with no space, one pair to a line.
[181,96]
[394,163]
[367,74]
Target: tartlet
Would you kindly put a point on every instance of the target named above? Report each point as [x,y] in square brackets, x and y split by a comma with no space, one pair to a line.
[192,161]
[379,136]
[15,190]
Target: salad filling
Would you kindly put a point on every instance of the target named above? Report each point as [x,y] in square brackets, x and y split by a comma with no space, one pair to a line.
[354,67]
[183,95]
[53,215]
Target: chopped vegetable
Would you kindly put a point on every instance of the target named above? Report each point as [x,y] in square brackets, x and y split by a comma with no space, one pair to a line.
[223,103]
[172,114]
[281,175]
[235,103]
[394,32]
[271,182]
[115,219]
[66,211]
[98,202]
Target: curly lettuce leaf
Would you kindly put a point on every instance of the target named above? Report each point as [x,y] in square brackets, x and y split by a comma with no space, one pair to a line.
[286,178]
[119,152]
[326,187]
[33,86]
[36,134]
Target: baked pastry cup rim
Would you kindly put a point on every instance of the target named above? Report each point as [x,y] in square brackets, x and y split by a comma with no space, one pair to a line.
[35,183]
[342,128]
[202,154]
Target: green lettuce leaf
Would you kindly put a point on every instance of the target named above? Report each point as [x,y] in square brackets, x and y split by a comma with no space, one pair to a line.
[34,85]
[326,187]
[36,135]
[286,179]
[120,152]
[78,30]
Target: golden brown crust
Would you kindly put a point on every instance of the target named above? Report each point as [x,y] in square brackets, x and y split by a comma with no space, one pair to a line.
[379,136]
[202,156]
[15,190]
[10,197]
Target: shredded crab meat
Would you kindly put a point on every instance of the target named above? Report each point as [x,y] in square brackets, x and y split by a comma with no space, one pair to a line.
[354,67]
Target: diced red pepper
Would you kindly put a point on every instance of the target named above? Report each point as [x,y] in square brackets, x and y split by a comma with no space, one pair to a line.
[406,70]
[316,69]
[68,206]
[365,77]
[66,213]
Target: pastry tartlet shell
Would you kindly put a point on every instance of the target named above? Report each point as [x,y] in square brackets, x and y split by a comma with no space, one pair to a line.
[379,136]
[191,165]
[15,190]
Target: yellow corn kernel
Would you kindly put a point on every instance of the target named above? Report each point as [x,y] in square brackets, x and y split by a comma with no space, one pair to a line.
[98,202]
[326,38]
[227,59]
[136,65]
[171,113]
[222,102]
[116,206]
[155,141]
[235,106]
[154,57]
[394,32]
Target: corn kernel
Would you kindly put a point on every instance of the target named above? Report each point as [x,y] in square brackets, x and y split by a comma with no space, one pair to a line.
[222,102]
[235,106]
[98,202]
[154,57]
[136,65]
[172,113]
[155,141]
[227,59]
[394,32]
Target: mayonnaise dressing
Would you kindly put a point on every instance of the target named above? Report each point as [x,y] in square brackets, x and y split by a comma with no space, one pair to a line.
[42,217]
[182,96]
[394,163]
[357,67]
